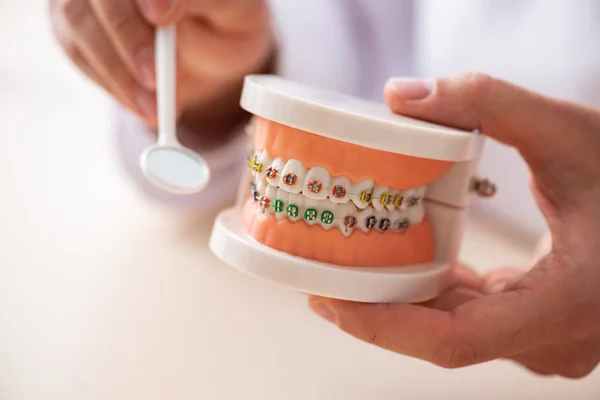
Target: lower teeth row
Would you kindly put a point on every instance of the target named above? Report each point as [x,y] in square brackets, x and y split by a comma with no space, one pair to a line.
[365,220]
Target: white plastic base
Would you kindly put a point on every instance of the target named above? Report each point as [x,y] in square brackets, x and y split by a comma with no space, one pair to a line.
[413,284]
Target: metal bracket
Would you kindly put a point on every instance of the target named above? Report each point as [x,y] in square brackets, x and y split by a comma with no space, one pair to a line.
[484,187]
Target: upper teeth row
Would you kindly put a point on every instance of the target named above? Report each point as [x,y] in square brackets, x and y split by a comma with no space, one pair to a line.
[317,183]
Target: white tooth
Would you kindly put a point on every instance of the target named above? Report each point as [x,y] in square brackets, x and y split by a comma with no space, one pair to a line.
[400,222]
[382,197]
[384,221]
[277,166]
[338,221]
[254,190]
[265,161]
[285,199]
[254,164]
[339,186]
[362,193]
[321,181]
[415,207]
[416,214]
[408,194]
[295,180]
[261,187]
[344,211]
[312,211]
[390,205]
[295,207]
[264,202]
[319,212]
[414,199]
[397,200]
[271,193]
[420,193]
[367,220]
[328,217]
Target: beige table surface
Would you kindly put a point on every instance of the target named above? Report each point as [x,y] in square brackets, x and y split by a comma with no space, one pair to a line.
[104,295]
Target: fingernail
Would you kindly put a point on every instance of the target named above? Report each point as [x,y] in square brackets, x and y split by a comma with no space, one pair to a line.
[412,89]
[145,60]
[497,287]
[321,309]
[159,9]
[146,103]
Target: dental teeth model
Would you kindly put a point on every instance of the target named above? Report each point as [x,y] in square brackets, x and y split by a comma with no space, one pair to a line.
[345,199]
[345,205]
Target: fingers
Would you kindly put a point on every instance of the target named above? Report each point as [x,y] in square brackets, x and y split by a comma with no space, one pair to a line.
[93,45]
[414,331]
[162,12]
[231,16]
[571,360]
[453,298]
[497,280]
[465,276]
[466,285]
[480,329]
[131,35]
[501,110]
[73,53]
[546,131]
[542,248]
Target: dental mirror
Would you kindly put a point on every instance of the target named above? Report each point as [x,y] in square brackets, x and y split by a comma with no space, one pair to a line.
[168,164]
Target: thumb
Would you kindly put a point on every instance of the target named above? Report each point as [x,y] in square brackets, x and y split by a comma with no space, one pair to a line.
[463,329]
[162,12]
[546,131]
[499,279]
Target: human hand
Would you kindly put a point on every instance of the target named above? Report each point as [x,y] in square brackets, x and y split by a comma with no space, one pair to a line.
[547,318]
[219,42]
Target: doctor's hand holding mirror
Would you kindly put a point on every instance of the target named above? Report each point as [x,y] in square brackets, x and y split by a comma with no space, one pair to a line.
[219,42]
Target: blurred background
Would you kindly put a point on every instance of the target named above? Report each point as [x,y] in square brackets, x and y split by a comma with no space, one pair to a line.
[105,295]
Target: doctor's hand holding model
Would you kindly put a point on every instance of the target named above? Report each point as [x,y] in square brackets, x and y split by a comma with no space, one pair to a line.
[546,318]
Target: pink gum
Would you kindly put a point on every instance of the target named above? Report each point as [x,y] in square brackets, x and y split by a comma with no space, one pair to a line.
[395,171]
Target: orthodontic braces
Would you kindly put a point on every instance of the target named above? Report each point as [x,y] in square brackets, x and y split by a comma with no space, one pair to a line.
[314,186]
[327,217]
